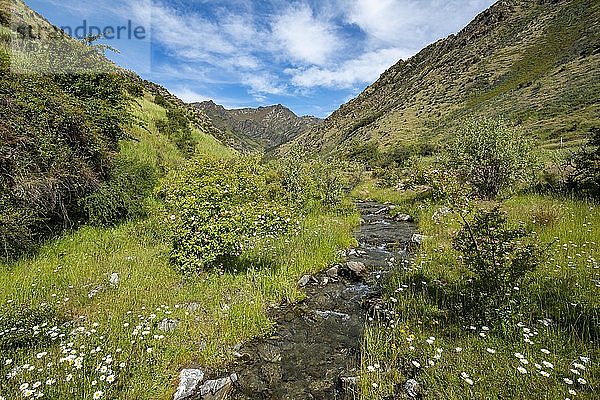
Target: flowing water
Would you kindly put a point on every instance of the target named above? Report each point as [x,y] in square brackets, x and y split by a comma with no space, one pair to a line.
[315,350]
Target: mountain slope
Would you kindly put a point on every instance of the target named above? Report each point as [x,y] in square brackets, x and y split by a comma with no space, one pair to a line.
[258,128]
[533,62]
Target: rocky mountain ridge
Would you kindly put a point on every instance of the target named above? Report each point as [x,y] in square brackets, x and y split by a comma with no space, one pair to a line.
[534,63]
[258,128]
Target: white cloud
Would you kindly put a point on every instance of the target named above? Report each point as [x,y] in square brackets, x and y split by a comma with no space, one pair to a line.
[304,37]
[263,83]
[412,22]
[189,95]
[364,69]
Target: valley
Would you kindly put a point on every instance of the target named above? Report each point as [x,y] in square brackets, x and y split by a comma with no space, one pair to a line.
[436,237]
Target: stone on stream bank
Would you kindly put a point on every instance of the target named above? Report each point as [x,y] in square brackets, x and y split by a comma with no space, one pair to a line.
[191,386]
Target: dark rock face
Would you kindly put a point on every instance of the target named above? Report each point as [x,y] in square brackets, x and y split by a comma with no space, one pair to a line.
[314,352]
[258,128]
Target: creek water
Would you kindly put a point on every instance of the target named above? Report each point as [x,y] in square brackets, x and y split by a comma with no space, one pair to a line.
[314,352]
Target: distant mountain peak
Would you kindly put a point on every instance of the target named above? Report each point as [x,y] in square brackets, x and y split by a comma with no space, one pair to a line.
[258,129]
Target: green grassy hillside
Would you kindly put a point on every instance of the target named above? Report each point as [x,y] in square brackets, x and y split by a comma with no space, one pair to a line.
[534,63]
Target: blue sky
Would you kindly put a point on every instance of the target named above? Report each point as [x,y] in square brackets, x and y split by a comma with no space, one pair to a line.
[311,55]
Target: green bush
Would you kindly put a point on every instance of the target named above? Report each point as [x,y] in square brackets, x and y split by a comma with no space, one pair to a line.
[307,182]
[177,128]
[585,176]
[499,257]
[217,209]
[123,194]
[490,156]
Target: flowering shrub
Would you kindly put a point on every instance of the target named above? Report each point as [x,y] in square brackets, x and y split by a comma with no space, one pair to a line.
[499,257]
[218,208]
[490,156]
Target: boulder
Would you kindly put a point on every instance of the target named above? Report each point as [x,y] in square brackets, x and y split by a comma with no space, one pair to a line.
[114,279]
[306,279]
[412,389]
[218,389]
[333,272]
[357,269]
[403,218]
[418,239]
[189,380]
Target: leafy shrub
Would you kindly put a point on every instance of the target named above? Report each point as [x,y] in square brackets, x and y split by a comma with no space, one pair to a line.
[309,182]
[585,177]
[217,209]
[58,133]
[123,195]
[499,257]
[177,128]
[490,156]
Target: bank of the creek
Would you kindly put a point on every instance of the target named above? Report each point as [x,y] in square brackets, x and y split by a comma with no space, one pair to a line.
[314,352]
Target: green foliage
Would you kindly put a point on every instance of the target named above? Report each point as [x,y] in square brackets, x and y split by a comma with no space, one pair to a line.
[25,326]
[490,156]
[123,194]
[366,153]
[498,257]
[177,128]
[218,208]
[58,134]
[585,177]
[308,182]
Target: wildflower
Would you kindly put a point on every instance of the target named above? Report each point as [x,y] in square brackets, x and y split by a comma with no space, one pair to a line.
[371,368]
[98,394]
[522,370]
[149,350]
[41,355]
[579,366]
[544,374]
[524,361]
[110,378]
[24,386]
[458,349]
[50,381]
[490,350]
[584,360]
[469,381]
[69,378]
[519,355]
[430,340]
[28,392]
[575,372]
[548,364]
[545,351]
[582,381]
[36,385]
[416,364]
[572,392]
[568,381]
[8,361]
